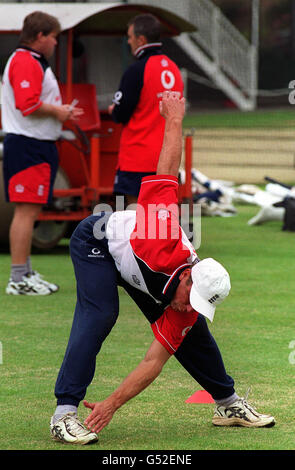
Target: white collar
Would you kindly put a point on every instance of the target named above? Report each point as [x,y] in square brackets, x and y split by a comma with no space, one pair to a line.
[141,49]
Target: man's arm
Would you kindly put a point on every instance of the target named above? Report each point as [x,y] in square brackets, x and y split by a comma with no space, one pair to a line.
[140,378]
[27,100]
[62,113]
[127,96]
[172,108]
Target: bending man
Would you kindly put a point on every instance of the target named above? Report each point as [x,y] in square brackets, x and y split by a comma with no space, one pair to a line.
[148,254]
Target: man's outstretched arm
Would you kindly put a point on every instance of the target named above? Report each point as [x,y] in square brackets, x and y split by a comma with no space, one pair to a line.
[172,108]
[140,378]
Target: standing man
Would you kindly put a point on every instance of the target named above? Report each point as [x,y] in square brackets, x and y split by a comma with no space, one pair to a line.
[136,105]
[149,254]
[32,117]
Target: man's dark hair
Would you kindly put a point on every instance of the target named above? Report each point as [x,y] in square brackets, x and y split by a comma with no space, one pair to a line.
[38,22]
[147,25]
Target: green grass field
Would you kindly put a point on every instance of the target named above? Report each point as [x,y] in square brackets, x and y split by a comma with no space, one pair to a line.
[266,119]
[253,328]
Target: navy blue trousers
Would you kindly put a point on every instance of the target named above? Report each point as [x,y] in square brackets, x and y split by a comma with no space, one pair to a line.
[96,312]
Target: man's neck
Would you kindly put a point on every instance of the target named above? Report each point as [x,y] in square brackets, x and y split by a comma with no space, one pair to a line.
[29,47]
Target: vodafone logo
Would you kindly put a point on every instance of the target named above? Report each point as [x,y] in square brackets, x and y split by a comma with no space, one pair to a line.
[167,79]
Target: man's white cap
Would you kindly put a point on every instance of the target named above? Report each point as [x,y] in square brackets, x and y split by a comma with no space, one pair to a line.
[211,285]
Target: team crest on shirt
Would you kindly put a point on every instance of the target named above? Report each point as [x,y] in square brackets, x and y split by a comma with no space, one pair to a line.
[19,188]
[25,84]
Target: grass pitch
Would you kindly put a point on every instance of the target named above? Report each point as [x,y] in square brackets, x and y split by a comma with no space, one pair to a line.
[234,119]
[254,329]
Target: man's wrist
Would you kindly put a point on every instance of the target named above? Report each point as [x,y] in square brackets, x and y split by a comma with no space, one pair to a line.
[173,125]
[174,120]
[113,402]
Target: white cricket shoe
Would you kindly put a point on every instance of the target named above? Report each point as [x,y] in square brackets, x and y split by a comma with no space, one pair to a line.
[28,286]
[69,430]
[39,279]
[240,413]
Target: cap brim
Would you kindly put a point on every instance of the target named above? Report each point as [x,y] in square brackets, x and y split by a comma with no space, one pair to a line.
[201,305]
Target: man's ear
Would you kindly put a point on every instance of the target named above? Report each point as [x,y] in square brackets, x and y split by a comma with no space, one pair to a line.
[141,40]
[186,273]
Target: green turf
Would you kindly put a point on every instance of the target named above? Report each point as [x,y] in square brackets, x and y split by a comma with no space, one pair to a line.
[254,328]
[265,119]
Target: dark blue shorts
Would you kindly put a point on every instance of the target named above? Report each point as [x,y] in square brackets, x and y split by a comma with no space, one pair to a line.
[128,182]
[29,169]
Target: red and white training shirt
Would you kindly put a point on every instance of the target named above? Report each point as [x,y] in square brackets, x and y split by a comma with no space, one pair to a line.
[151,250]
[28,81]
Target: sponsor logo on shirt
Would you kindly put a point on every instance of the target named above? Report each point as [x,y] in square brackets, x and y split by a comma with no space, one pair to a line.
[213,299]
[95,253]
[40,191]
[136,280]
[167,79]
[186,330]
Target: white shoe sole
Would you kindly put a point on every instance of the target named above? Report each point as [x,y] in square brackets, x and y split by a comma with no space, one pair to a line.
[218,421]
[10,292]
[31,294]
[81,443]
